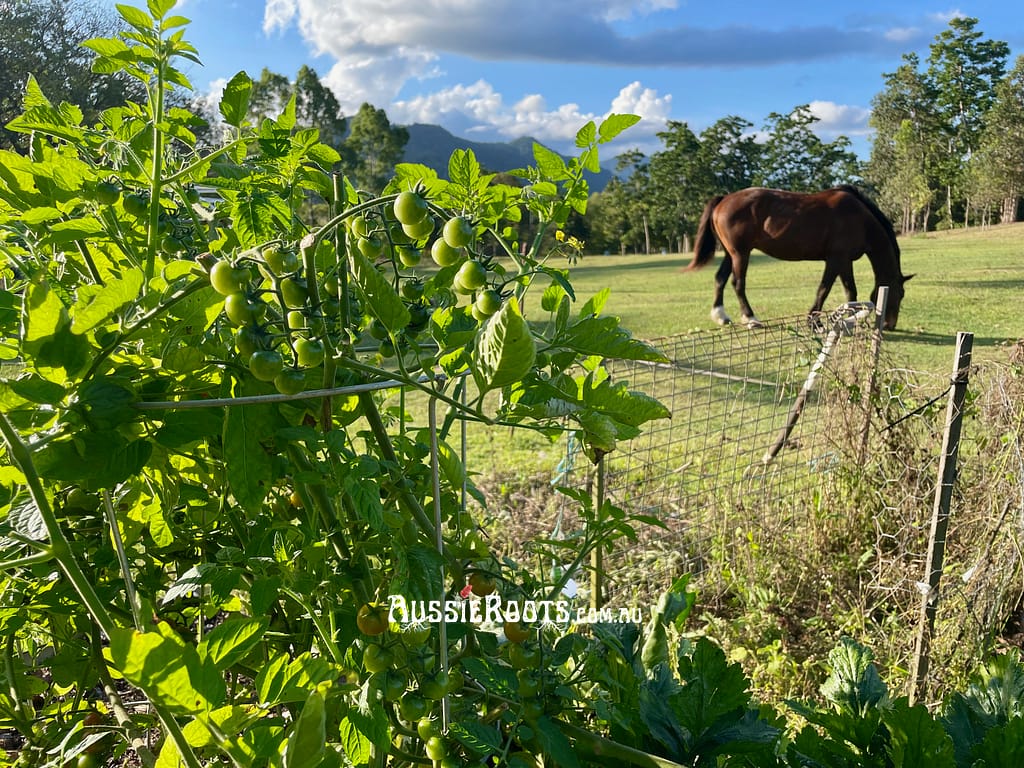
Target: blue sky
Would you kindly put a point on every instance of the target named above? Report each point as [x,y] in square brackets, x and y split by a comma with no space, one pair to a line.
[494,70]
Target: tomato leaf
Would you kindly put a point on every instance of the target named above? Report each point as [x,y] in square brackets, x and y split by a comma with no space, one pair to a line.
[505,350]
[259,217]
[25,518]
[382,299]
[231,640]
[555,743]
[167,670]
[248,464]
[605,337]
[476,736]
[98,302]
[234,102]
[307,741]
[615,124]
[550,164]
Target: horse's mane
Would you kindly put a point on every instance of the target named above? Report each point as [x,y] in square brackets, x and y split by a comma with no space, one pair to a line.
[876,212]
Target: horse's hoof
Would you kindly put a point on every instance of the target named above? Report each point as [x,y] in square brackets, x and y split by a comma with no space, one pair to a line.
[719,316]
[752,322]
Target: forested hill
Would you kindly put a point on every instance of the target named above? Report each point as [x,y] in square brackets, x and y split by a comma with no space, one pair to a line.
[432,145]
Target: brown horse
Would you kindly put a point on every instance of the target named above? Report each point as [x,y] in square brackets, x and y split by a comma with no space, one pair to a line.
[836,226]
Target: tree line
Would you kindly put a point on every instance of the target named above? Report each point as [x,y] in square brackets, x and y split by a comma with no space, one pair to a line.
[947,148]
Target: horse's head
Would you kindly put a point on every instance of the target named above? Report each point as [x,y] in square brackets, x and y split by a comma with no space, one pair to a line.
[892,305]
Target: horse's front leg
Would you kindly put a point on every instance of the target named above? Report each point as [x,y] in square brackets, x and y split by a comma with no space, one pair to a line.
[825,286]
[849,284]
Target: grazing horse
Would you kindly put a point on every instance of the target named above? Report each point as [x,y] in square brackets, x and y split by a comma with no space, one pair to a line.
[836,226]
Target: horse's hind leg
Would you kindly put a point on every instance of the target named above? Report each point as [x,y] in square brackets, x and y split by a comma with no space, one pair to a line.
[721,278]
[739,284]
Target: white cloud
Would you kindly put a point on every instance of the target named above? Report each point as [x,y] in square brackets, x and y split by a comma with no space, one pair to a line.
[478,111]
[835,119]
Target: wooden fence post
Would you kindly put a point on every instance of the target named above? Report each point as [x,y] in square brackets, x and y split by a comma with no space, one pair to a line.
[881,301]
[940,515]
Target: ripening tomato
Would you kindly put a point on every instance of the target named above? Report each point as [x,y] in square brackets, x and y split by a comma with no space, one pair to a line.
[482,584]
[372,619]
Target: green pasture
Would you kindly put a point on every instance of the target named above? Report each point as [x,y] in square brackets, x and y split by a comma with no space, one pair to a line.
[964,281]
[969,280]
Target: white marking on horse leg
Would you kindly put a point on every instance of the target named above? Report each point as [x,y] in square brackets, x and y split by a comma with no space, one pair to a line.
[719,316]
[752,322]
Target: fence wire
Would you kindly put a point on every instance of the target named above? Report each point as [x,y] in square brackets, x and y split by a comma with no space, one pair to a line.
[725,454]
[841,513]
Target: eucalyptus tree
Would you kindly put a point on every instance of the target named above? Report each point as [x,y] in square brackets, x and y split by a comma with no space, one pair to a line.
[964,69]
[795,157]
[999,163]
[906,146]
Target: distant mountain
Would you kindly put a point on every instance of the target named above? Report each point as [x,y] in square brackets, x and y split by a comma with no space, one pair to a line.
[432,145]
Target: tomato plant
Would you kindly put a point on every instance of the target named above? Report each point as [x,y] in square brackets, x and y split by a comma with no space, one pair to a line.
[227,552]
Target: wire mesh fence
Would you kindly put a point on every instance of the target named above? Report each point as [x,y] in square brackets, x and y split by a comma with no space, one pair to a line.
[753,436]
[837,508]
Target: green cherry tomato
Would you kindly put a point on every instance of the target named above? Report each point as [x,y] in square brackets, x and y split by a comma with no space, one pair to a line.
[239,309]
[443,254]
[226,279]
[294,292]
[378,330]
[488,302]
[135,205]
[371,247]
[412,290]
[435,686]
[436,748]
[310,353]
[421,230]
[290,381]
[377,658]
[395,684]
[472,275]
[410,208]
[410,257]
[265,364]
[87,760]
[428,728]
[280,261]
[412,706]
[296,319]
[107,193]
[360,226]
[458,232]
[247,341]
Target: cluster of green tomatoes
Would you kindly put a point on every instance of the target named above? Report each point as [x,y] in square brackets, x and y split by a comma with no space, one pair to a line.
[286,325]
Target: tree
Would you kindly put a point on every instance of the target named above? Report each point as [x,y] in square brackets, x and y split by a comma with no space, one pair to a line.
[373,148]
[730,154]
[678,185]
[43,38]
[795,158]
[964,69]
[999,166]
[906,145]
[269,95]
[316,106]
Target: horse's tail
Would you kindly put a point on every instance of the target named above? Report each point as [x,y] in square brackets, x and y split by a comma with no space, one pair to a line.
[704,244]
[870,204]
